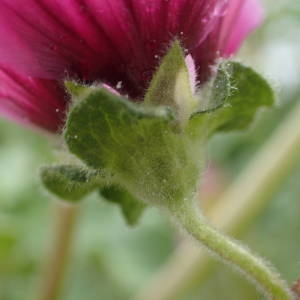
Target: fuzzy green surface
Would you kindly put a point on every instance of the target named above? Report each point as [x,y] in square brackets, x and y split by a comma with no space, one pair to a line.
[70,182]
[139,146]
[171,85]
[236,94]
[132,208]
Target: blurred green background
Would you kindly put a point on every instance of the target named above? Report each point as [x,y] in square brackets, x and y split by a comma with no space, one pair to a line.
[112,261]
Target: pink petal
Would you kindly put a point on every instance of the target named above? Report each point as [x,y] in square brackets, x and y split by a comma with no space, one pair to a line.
[243,17]
[31,101]
[107,40]
[192,72]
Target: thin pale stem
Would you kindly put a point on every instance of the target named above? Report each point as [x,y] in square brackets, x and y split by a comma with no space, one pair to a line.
[52,281]
[231,252]
[296,288]
[240,204]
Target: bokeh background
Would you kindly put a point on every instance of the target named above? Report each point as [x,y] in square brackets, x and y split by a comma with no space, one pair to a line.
[112,261]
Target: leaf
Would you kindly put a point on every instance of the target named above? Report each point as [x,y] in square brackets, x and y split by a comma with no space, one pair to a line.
[237,93]
[135,143]
[171,85]
[131,207]
[70,182]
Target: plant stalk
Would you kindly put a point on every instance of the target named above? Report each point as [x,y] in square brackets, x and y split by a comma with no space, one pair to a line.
[234,254]
[52,282]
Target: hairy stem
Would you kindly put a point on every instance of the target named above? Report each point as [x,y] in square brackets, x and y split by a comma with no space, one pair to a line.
[234,254]
[239,205]
[52,281]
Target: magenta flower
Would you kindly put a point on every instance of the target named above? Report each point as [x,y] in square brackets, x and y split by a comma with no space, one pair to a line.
[117,42]
[30,100]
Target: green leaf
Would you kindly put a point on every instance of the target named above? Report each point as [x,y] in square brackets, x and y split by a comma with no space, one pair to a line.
[237,93]
[131,207]
[135,143]
[70,182]
[171,85]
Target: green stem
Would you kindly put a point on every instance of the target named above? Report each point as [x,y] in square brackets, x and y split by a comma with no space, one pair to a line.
[52,282]
[232,253]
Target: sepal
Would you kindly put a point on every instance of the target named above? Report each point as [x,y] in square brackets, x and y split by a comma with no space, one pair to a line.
[70,182]
[236,95]
[131,207]
[172,85]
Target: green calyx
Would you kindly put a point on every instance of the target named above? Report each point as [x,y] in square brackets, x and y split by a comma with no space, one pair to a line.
[153,151]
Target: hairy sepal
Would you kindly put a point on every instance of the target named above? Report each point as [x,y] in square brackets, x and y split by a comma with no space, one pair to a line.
[72,183]
[131,207]
[237,93]
[171,85]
